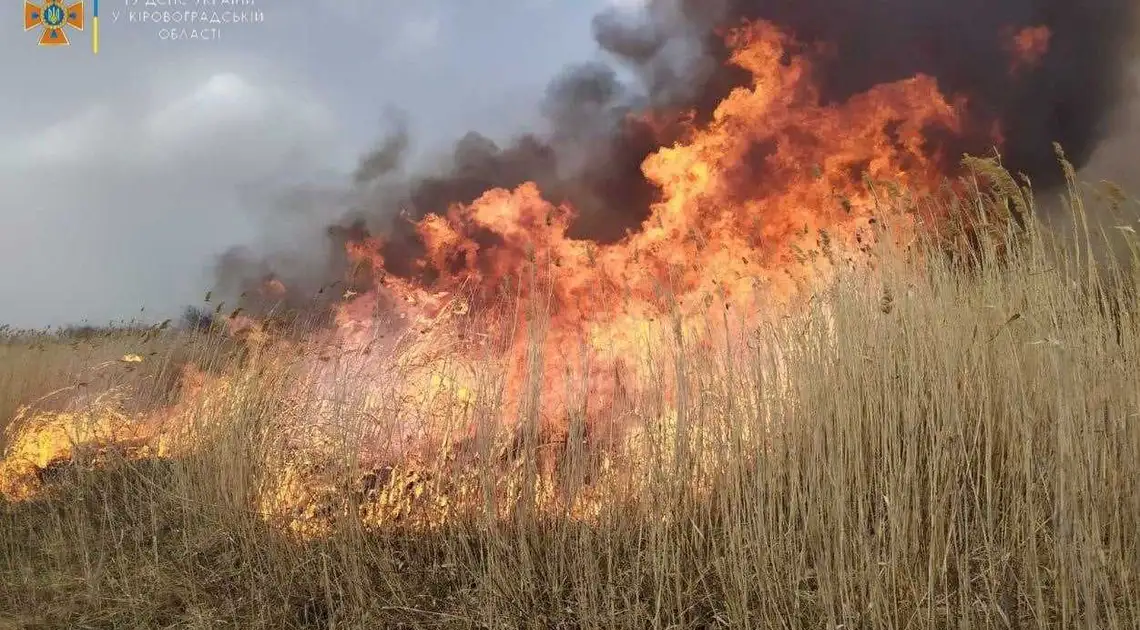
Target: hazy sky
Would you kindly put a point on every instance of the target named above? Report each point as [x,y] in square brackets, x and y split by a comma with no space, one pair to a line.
[127,172]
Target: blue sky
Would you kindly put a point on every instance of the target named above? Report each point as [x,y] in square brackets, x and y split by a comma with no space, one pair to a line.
[126,173]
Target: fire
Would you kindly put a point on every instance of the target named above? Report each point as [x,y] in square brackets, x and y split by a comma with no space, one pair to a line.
[748,204]
[40,440]
[1028,45]
[757,208]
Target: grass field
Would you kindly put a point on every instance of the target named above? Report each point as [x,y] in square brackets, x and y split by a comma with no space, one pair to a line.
[946,444]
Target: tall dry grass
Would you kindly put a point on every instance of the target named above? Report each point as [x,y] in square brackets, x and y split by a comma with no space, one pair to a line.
[951,443]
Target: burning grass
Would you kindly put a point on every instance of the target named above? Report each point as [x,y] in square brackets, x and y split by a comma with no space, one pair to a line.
[943,441]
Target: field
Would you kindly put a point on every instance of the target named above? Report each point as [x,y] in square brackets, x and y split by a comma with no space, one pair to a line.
[945,442]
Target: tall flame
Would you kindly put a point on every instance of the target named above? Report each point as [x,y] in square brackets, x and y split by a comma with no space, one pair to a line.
[748,204]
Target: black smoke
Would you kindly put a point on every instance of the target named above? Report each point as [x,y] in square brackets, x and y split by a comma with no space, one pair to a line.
[590,153]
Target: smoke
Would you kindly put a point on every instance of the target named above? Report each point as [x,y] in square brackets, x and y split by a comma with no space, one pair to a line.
[1114,159]
[598,128]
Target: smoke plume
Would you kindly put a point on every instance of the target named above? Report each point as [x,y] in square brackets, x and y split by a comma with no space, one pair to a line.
[599,129]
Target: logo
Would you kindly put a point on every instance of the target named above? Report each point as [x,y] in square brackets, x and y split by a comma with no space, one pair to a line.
[53,17]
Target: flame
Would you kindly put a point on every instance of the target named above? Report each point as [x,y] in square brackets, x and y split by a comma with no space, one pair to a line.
[748,204]
[1027,47]
[40,440]
[44,440]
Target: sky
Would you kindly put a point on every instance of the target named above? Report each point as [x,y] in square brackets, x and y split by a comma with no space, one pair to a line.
[125,174]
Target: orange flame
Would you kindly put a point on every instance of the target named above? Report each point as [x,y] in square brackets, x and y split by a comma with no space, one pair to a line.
[747,201]
[1027,47]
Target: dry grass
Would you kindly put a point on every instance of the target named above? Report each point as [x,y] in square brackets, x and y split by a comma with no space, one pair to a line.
[946,445]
